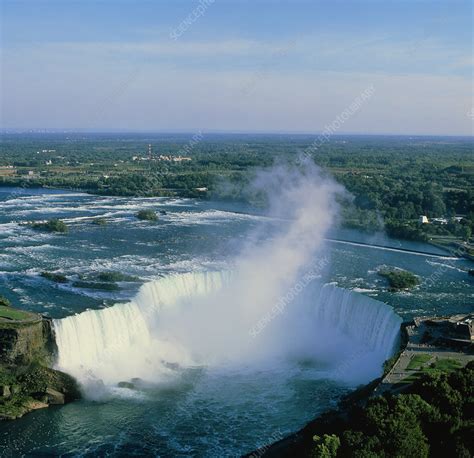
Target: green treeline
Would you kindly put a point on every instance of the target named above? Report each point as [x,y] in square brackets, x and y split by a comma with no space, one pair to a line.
[393,180]
[434,418]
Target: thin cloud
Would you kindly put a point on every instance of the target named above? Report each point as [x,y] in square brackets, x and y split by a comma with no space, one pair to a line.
[179,49]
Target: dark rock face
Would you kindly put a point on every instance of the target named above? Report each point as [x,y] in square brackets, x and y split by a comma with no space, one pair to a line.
[22,343]
[5,391]
[27,382]
[54,397]
[128,385]
[49,338]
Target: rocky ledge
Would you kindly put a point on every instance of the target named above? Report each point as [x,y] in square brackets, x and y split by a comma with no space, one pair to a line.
[27,352]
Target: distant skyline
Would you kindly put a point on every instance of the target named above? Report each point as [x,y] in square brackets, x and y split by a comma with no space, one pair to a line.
[238,66]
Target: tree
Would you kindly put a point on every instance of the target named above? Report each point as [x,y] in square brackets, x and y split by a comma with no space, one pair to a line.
[326,446]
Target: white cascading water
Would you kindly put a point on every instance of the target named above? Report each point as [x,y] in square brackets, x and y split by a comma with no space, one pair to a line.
[118,343]
[348,329]
[222,319]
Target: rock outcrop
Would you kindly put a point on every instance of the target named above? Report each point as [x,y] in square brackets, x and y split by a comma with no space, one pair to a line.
[22,343]
[27,381]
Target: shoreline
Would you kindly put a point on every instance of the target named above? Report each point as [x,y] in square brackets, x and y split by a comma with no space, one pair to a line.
[450,252]
[397,377]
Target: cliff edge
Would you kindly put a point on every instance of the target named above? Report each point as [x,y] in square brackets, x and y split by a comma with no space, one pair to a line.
[27,352]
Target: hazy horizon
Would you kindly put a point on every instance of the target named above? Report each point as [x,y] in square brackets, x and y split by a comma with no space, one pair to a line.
[228,66]
[190,132]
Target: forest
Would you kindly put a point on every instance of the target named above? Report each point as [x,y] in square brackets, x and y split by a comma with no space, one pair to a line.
[393,180]
[432,418]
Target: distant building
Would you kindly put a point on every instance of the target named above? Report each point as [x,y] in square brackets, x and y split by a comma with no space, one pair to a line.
[201,189]
[7,170]
[161,157]
[423,219]
[29,174]
[439,220]
[173,158]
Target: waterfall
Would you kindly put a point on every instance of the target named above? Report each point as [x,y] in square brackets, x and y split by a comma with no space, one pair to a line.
[190,319]
[362,318]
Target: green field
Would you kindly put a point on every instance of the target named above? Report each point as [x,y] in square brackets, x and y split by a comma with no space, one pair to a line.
[9,313]
[445,365]
[418,361]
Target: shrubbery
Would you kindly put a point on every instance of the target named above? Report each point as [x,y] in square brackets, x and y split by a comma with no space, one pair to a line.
[115,276]
[104,286]
[399,279]
[434,418]
[53,225]
[57,278]
[147,215]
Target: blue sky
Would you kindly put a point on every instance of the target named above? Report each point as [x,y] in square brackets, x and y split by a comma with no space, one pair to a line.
[268,66]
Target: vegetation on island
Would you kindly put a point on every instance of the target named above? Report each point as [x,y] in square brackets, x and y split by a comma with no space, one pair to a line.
[4,302]
[99,221]
[57,278]
[147,215]
[53,225]
[399,279]
[104,286]
[116,277]
[103,280]
[433,417]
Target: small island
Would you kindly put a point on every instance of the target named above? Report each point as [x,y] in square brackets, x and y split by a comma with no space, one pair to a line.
[55,277]
[111,276]
[103,286]
[52,225]
[99,221]
[399,279]
[105,281]
[147,215]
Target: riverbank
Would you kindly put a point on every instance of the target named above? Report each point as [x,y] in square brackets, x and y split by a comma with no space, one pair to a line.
[432,349]
[453,246]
